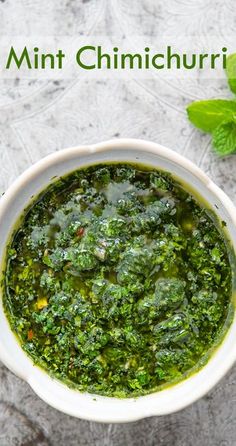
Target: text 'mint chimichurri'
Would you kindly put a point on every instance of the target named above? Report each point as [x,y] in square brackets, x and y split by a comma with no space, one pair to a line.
[117,281]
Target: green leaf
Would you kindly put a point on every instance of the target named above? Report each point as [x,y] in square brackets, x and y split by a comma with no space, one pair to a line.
[231,71]
[224,138]
[208,115]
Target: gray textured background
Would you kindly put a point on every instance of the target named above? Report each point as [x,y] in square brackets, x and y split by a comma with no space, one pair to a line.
[38,117]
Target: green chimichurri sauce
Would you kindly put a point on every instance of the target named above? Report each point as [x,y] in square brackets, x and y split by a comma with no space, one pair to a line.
[117,281]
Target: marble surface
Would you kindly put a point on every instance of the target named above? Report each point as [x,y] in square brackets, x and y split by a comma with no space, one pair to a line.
[39,116]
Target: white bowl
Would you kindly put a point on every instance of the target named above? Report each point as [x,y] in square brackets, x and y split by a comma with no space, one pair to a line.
[55,393]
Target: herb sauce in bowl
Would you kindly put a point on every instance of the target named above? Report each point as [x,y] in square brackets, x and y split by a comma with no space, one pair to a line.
[117,281]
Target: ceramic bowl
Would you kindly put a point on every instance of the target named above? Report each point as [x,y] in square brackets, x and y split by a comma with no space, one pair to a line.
[55,393]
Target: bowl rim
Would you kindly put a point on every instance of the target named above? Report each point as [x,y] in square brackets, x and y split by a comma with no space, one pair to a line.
[124,415]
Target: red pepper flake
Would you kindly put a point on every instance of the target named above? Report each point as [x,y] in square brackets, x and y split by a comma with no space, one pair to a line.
[80,232]
[30,335]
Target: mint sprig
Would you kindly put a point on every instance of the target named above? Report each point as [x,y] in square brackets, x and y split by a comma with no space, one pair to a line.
[218,116]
